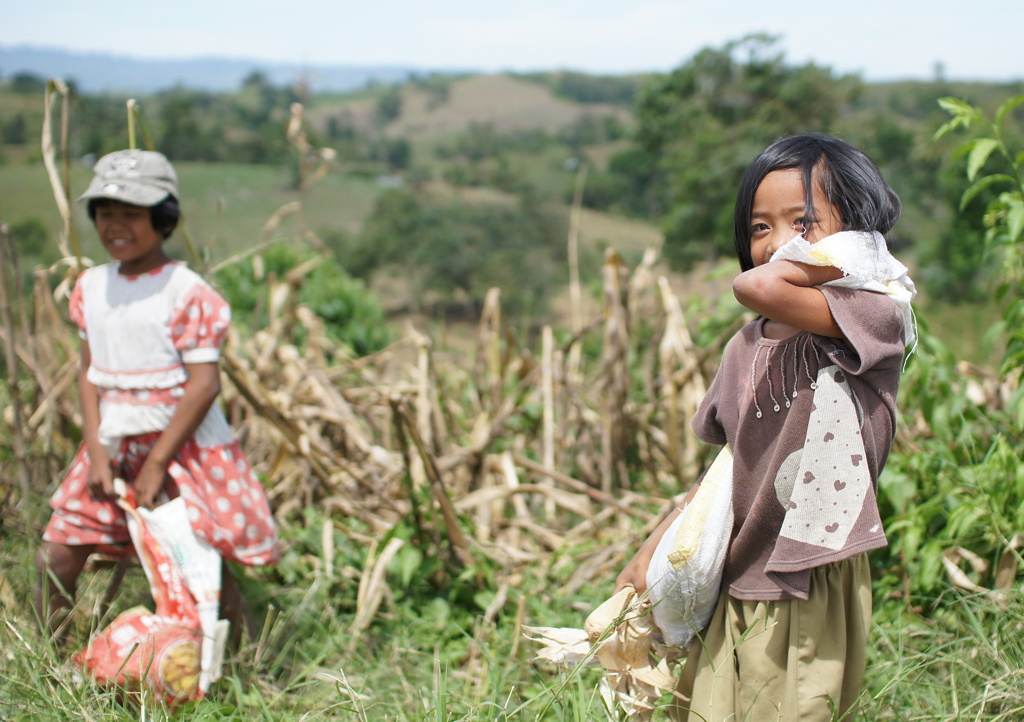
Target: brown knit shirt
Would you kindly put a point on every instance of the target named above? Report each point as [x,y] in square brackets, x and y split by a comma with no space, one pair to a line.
[810,421]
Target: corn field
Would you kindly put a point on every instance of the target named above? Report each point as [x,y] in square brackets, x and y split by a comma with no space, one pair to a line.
[517,456]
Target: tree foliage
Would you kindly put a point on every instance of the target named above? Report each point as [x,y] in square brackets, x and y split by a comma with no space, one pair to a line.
[995,171]
[585,88]
[953,489]
[455,250]
[700,125]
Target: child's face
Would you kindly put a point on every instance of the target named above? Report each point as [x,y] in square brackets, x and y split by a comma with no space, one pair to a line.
[779,214]
[127,233]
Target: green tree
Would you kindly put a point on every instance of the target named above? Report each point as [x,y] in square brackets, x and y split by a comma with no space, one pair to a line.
[389,105]
[611,89]
[26,83]
[700,125]
[14,131]
[98,123]
[397,153]
[182,137]
[456,250]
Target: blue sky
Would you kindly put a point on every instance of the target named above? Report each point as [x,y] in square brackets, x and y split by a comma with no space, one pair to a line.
[880,39]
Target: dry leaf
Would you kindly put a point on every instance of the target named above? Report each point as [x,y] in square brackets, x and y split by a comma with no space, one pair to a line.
[620,635]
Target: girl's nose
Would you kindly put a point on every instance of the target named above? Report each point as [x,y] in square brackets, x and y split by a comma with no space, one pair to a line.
[779,238]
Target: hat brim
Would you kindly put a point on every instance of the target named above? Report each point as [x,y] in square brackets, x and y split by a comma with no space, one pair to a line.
[126,190]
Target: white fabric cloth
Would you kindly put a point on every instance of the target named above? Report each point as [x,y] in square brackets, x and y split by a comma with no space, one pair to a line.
[685,573]
[867,264]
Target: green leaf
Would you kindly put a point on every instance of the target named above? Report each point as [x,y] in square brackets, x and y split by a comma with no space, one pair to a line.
[962,112]
[1007,107]
[944,129]
[955,106]
[980,151]
[981,184]
[992,335]
[409,560]
[1015,218]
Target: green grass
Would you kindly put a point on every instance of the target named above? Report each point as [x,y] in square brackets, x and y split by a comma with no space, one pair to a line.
[432,658]
[225,206]
[428,656]
[966,663]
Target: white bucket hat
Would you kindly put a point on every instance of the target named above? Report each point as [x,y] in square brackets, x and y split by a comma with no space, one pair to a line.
[139,177]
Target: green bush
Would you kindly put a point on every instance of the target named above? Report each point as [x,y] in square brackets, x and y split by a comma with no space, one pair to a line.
[454,250]
[351,312]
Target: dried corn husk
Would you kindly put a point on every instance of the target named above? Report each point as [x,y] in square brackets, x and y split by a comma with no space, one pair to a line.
[620,636]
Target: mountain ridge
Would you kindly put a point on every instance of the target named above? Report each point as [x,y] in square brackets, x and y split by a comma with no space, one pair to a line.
[97,72]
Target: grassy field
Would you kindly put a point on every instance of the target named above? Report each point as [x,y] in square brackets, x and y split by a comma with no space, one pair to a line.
[430,661]
[225,206]
[420,637]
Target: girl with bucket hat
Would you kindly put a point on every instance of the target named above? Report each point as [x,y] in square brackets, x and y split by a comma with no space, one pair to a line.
[151,333]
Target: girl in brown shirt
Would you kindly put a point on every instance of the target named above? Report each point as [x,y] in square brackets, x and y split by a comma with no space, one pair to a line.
[805,399]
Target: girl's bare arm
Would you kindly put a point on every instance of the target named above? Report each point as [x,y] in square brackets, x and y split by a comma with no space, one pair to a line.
[784,291]
[99,481]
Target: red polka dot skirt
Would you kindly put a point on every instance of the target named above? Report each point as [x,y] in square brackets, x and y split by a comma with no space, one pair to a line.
[226,502]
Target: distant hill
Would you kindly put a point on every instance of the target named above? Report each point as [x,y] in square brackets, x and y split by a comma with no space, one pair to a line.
[99,72]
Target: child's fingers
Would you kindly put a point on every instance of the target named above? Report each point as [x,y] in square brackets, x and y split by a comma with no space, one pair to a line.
[148,486]
[101,488]
[99,482]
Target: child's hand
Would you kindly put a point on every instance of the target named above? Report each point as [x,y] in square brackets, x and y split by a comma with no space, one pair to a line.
[148,484]
[635,573]
[99,481]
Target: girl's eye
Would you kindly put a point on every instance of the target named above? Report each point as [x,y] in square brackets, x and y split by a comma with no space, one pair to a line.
[759,228]
[802,225]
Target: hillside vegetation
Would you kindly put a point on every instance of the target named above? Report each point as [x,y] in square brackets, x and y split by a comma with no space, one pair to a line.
[467,346]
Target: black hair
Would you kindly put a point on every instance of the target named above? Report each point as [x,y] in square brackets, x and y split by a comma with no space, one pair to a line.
[164,215]
[848,179]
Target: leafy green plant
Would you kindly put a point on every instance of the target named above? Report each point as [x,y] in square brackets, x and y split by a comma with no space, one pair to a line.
[1004,212]
[351,312]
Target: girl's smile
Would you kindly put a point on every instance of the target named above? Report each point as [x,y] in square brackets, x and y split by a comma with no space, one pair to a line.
[780,213]
[127,234]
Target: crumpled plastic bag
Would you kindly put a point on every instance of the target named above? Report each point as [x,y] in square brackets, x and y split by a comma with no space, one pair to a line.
[166,650]
[685,573]
[865,260]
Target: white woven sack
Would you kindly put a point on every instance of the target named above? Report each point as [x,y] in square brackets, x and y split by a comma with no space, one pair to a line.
[685,573]
[199,565]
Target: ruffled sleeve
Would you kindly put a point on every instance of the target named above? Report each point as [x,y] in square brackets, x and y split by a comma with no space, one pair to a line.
[76,306]
[199,325]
